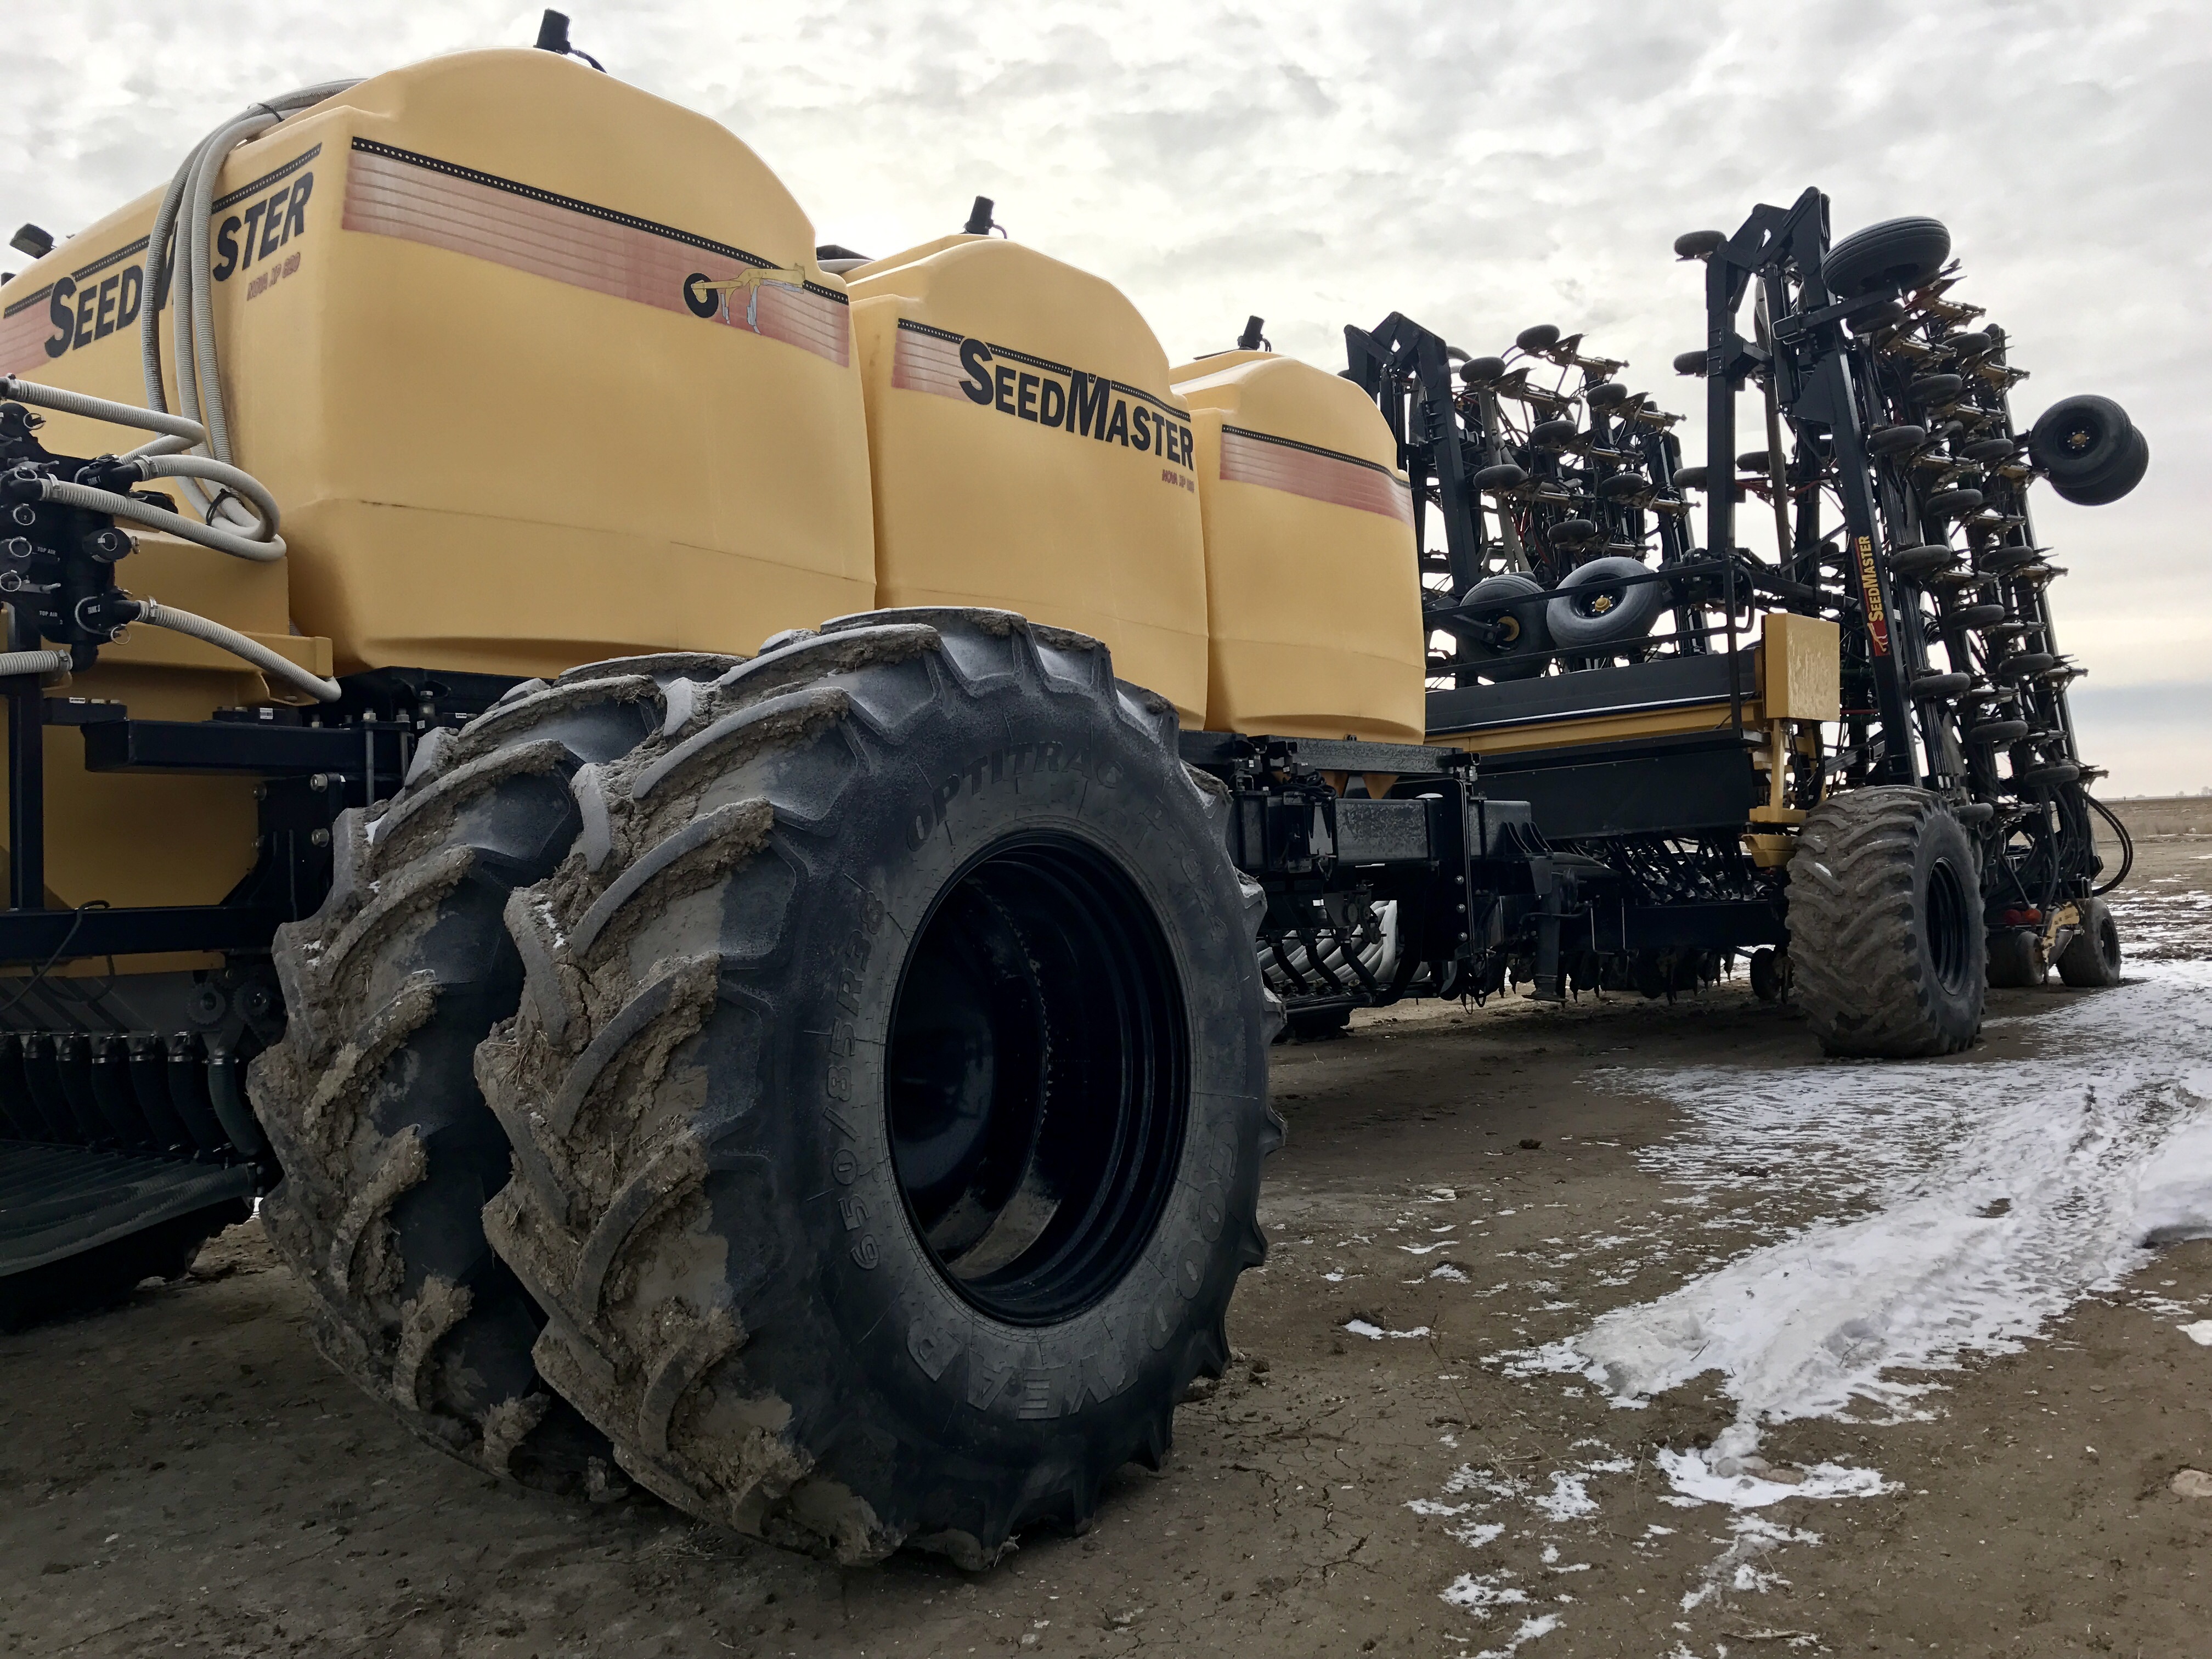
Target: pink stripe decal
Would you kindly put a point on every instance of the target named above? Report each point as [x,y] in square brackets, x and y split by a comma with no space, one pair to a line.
[386,197]
[1248,457]
[923,362]
[23,338]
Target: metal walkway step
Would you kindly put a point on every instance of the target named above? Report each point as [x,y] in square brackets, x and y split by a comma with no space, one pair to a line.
[70,1202]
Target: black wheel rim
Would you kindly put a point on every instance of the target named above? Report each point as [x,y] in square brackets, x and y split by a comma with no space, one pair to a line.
[1037,1079]
[1949,943]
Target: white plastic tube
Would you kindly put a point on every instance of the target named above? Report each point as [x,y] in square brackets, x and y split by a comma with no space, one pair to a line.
[33,662]
[177,269]
[230,640]
[222,473]
[86,499]
[100,409]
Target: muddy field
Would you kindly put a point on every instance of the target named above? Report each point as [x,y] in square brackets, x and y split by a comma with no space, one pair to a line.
[1613,1330]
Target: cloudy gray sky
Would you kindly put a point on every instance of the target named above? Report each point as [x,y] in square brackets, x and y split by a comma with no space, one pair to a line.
[1479,167]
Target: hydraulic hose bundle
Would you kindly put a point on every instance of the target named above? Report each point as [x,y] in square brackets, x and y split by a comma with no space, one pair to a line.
[177,266]
[237,514]
[253,508]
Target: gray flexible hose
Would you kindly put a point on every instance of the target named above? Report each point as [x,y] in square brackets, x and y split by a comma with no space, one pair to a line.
[87,499]
[245,484]
[98,409]
[230,640]
[33,662]
[159,447]
[178,265]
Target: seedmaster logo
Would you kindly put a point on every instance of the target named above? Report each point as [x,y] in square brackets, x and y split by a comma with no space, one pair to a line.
[1026,388]
[1870,589]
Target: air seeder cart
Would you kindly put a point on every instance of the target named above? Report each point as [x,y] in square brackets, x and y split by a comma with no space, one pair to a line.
[818,1069]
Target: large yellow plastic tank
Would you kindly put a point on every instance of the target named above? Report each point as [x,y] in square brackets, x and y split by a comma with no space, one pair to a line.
[541,369]
[1313,585]
[1027,453]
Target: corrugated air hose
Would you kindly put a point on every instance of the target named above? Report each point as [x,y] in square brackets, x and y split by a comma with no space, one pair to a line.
[239,644]
[181,272]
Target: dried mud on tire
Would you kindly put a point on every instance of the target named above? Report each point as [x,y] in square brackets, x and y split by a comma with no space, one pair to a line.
[370,1099]
[695,1082]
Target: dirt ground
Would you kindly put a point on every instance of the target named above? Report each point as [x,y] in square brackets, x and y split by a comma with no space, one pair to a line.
[184,1474]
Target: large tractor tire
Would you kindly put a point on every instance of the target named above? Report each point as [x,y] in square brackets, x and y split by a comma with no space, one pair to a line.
[1885,915]
[888,1090]
[370,1100]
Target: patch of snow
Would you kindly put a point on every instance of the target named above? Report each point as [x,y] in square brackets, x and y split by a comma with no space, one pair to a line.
[2200,1333]
[1480,1592]
[1698,1475]
[1568,1500]
[1374,1332]
[1475,1533]
[1542,1625]
[1736,1570]
[2099,1147]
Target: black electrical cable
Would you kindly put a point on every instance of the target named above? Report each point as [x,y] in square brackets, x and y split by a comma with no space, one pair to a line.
[2127,844]
[77,921]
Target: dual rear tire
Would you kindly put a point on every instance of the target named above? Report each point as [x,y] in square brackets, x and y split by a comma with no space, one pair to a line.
[883,1077]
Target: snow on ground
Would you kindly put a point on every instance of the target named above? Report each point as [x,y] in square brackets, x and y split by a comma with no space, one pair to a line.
[1998,1194]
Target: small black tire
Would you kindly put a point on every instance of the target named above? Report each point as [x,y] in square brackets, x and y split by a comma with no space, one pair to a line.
[2079,440]
[2124,474]
[1952,503]
[1902,252]
[1940,688]
[1523,656]
[1597,604]
[1538,337]
[1605,394]
[2015,959]
[1482,371]
[370,1099]
[747,1126]
[2092,958]
[1316,1028]
[1917,563]
[1553,435]
[1692,362]
[1887,954]
[1896,440]
[1769,975]
[1504,476]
